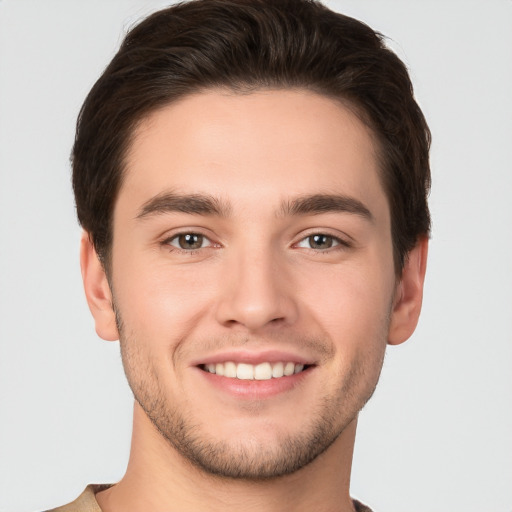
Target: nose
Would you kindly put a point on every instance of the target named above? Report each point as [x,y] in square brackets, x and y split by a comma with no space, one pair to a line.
[256,291]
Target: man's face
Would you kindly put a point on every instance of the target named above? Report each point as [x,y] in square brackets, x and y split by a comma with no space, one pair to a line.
[252,238]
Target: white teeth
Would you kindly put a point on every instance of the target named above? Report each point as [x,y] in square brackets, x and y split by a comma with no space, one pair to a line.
[289,368]
[230,370]
[245,371]
[262,371]
[277,370]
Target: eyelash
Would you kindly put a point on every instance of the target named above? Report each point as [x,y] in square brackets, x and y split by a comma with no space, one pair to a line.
[337,243]
[168,243]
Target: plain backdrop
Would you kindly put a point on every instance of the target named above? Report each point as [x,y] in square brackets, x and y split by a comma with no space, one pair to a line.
[436,437]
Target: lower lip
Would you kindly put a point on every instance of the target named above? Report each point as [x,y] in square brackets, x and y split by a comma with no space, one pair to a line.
[255,389]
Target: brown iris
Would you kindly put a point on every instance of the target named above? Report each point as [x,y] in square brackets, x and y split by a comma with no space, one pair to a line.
[320,241]
[190,241]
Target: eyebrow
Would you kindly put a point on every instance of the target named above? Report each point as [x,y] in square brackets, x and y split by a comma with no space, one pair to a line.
[207,205]
[317,204]
[194,204]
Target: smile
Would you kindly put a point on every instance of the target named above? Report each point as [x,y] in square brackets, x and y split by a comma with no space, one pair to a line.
[262,371]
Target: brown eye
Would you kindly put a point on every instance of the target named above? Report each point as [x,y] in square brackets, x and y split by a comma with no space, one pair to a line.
[188,241]
[320,241]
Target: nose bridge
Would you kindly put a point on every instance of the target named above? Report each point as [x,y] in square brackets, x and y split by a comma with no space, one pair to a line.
[256,289]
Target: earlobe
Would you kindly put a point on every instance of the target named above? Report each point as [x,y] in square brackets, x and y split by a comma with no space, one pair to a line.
[97,290]
[409,295]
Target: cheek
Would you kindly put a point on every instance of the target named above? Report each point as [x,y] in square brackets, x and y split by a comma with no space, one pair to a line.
[353,307]
[349,298]
[158,302]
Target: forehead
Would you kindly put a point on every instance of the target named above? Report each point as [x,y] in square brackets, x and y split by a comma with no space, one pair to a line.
[249,148]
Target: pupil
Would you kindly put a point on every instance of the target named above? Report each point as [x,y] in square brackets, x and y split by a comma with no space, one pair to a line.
[191,241]
[321,241]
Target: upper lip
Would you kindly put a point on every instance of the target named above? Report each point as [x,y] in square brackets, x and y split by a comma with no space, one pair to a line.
[253,357]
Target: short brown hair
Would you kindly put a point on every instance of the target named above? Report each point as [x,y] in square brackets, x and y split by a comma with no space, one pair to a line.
[248,45]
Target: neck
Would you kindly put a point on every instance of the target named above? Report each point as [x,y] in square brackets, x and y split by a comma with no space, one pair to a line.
[159,478]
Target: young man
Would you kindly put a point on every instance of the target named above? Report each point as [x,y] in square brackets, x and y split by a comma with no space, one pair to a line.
[251,177]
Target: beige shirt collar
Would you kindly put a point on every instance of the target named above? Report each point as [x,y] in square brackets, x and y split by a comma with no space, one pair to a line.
[86,502]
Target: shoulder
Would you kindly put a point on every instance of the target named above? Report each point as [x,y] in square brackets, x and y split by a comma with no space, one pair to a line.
[86,502]
[359,507]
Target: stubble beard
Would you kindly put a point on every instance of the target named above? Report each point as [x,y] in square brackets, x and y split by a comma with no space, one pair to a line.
[245,460]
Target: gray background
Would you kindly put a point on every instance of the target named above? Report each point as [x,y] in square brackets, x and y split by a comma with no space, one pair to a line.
[436,437]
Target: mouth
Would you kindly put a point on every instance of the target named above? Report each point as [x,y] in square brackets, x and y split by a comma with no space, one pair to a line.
[261,371]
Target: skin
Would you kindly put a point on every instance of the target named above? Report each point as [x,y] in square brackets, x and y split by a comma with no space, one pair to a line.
[257,284]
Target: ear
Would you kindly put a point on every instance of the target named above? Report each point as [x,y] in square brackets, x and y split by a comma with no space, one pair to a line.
[97,290]
[409,294]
